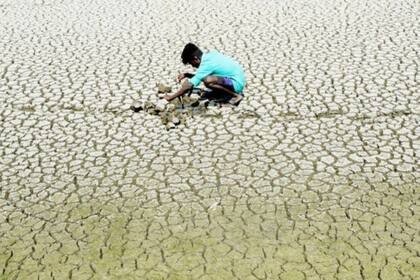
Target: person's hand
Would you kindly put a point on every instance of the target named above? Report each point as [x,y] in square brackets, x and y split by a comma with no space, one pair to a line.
[180,77]
[167,97]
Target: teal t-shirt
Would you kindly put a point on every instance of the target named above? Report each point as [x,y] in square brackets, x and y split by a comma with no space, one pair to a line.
[214,63]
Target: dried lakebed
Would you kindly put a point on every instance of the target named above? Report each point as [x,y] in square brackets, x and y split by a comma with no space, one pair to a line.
[315,175]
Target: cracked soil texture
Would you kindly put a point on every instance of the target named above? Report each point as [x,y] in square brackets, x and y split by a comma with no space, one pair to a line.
[315,175]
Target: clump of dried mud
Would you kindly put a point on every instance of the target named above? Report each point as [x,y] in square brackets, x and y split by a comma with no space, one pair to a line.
[179,110]
[172,113]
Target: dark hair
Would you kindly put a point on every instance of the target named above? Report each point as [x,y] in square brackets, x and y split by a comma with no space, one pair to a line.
[190,50]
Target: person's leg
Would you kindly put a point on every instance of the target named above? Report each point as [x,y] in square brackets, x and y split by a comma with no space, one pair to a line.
[223,85]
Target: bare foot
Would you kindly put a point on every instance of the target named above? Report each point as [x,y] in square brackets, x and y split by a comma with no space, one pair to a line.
[236,100]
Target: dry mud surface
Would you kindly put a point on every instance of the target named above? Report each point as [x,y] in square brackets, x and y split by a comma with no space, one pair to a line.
[314,176]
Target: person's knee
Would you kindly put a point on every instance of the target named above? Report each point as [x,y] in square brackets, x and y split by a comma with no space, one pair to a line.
[209,81]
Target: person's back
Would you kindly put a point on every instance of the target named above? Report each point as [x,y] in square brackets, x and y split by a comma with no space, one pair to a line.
[217,64]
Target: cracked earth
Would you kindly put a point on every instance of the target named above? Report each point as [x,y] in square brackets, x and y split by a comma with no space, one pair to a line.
[315,175]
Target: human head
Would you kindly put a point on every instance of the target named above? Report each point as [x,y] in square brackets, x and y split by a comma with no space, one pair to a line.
[191,55]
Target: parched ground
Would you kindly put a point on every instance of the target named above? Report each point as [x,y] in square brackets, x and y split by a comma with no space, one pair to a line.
[314,176]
